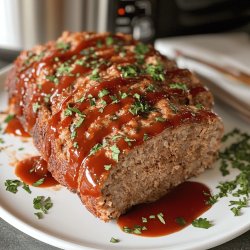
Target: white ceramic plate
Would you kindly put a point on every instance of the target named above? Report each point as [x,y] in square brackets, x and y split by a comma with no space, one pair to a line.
[70,226]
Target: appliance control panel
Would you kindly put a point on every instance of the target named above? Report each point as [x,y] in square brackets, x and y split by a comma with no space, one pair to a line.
[135,17]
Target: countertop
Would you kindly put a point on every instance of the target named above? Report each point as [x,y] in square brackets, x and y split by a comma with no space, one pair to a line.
[13,239]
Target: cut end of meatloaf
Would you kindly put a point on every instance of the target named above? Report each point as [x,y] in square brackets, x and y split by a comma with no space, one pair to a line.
[118,123]
[151,170]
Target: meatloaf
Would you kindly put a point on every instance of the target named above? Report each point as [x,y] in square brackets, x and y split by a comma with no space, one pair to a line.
[117,122]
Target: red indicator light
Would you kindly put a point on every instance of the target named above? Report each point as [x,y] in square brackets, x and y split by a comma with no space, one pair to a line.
[121,11]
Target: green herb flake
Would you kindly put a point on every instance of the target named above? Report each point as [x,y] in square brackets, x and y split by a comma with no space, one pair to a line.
[70,110]
[178,85]
[127,229]
[107,167]
[156,72]
[81,100]
[75,145]
[96,148]
[114,98]
[26,187]
[160,119]
[152,216]
[39,215]
[173,107]
[64,69]
[115,152]
[103,93]
[140,108]
[43,204]
[123,95]
[1,141]
[91,100]
[12,185]
[128,71]
[9,118]
[36,107]
[202,223]
[20,149]
[114,240]
[160,217]
[38,182]
[181,221]
[109,41]
[145,137]
[141,48]
[95,75]
[63,46]
[144,220]
[53,79]
[150,88]
[199,106]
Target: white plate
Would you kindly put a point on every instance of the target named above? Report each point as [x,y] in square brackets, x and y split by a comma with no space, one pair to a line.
[70,226]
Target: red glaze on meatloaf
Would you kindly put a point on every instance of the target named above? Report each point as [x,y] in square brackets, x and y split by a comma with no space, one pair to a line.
[94,103]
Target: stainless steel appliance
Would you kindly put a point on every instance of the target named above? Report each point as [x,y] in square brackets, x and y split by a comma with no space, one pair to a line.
[24,23]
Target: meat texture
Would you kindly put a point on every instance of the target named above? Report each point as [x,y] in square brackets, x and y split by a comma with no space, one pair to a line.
[117,122]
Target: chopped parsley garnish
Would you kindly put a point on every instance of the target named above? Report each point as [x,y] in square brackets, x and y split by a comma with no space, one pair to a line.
[96,148]
[137,229]
[123,95]
[103,93]
[91,100]
[70,110]
[178,85]
[114,98]
[47,98]
[39,182]
[152,216]
[115,152]
[20,149]
[75,145]
[1,141]
[160,217]
[202,223]
[12,185]
[129,140]
[39,215]
[114,240]
[181,221]
[140,108]
[107,167]
[42,204]
[144,220]
[150,88]
[128,71]
[173,107]
[156,72]
[160,119]
[199,106]
[95,75]
[26,187]
[36,107]
[141,48]
[63,69]
[88,51]
[9,118]
[236,155]
[145,137]
[63,46]
[82,99]
[53,79]
[109,40]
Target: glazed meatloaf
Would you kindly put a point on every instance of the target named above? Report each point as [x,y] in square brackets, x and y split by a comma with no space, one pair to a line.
[117,122]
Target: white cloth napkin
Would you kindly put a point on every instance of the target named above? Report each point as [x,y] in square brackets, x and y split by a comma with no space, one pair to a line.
[231,50]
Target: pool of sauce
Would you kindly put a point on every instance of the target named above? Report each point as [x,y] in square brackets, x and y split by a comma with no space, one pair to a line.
[186,201]
[32,169]
[15,127]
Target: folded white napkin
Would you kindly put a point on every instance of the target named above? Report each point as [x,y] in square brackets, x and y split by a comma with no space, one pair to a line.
[230,50]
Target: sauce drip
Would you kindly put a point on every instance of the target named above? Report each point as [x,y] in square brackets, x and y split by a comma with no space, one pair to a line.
[32,169]
[15,127]
[184,203]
